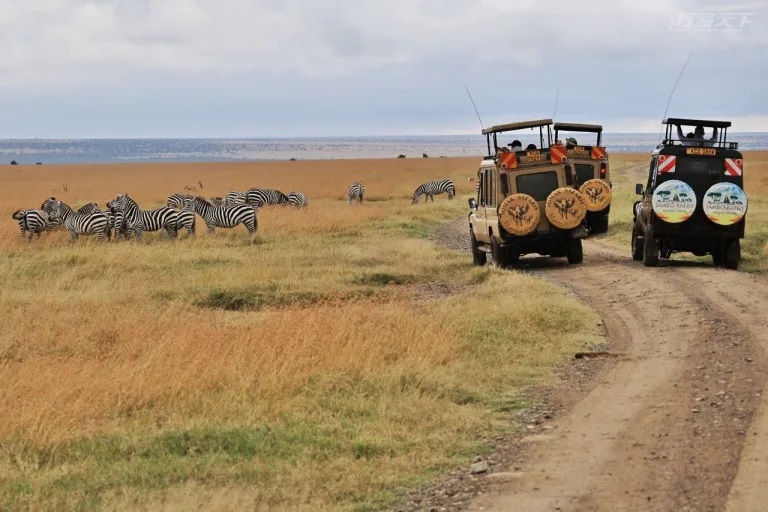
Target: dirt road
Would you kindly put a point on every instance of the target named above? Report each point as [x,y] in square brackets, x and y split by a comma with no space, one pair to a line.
[677,422]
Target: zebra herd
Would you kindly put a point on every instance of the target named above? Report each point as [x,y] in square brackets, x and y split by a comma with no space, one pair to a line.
[124,217]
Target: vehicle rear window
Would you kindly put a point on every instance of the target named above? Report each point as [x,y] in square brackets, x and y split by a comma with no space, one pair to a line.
[692,166]
[584,172]
[538,186]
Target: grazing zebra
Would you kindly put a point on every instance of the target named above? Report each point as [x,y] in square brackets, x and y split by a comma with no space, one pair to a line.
[234,198]
[224,217]
[432,188]
[177,200]
[32,221]
[356,191]
[264,196]
[95,223]
[297,199]
[138,220]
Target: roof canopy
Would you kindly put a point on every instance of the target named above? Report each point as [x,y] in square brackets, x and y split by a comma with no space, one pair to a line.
[516,126]
[697,122]
[578,127]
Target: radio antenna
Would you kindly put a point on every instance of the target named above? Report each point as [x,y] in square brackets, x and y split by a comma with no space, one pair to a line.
[673,91]
[475,107]
[557,95]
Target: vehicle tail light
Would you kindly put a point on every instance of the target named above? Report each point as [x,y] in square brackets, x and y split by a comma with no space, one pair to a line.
[603,170]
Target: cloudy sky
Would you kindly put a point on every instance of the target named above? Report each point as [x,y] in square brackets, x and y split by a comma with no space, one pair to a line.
[262,68]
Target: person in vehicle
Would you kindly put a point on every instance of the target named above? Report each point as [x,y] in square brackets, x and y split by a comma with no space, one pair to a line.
[697,137]
[530,147]
[515,145]
[570,143]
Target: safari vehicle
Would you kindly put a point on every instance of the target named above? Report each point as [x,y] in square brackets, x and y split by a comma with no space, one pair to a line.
[592,173]
[694,199]
[526,201]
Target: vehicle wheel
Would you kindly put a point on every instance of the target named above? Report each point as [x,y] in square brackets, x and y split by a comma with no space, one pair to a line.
[479,258]
[574,251]
[733,254]
[650,251]
[718,255]
[598,225]
[637,245]
[499,255]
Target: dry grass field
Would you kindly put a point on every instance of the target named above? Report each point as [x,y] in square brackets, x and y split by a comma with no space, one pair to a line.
[338,361]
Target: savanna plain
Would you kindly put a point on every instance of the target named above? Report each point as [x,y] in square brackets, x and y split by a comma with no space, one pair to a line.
[337,362]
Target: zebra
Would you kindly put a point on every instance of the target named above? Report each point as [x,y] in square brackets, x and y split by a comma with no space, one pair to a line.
[356,191]
[89,208]
[297,199]
[138,220]
[186,219]
[95,223]
[32,221]
[264,196]
[234,198]
[224,217]
[431,188]
[177,200]
[216,201]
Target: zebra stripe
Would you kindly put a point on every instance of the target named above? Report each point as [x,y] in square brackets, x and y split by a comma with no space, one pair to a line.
[224,217]
[356,191]
[81,223]
[177,200]
[89,208]
[297,199]
[234,198]
[32,221]
[432,188]
[186,219]
[264,196]
[138,220]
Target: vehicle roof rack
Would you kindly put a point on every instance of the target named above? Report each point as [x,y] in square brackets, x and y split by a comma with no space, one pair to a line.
[516,126]
[697,122]
[578,127]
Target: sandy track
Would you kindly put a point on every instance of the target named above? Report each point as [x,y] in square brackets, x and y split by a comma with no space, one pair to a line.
[678,421]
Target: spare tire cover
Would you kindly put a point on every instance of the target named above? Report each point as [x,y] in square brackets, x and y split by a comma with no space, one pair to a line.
[519,214]
[725,203]
[597,193]
[565,208]
[674,201]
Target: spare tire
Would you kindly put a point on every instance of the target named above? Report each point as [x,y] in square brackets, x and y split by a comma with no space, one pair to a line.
[565,208]
[597,194]
[725,203]
[519,214]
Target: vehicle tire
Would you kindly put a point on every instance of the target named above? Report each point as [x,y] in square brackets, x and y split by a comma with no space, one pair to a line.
[650,251]
[733,254]
[598,225]
[574,251]
[499,255]
[718,255]
[479,258]
[637,245]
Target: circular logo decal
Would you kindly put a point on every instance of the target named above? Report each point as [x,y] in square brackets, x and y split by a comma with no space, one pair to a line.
[725,203]
[597,194]
[565,208]
[674,201]
[519,214]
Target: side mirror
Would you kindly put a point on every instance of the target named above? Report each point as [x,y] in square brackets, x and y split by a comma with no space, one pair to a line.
[472,203]
[639,189]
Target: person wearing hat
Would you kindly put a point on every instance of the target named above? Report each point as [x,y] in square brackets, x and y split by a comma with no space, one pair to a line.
[570,143]
[515,145]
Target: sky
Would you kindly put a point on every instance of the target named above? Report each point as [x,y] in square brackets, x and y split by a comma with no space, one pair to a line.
[277,68]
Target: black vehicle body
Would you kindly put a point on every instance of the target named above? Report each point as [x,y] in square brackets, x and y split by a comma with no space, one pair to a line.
[700,166]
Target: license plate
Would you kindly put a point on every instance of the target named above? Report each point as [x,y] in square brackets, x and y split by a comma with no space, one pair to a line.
[700,151]
[534,156]
[579,149]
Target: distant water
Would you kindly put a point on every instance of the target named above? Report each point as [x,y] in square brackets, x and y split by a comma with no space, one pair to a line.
[68,151]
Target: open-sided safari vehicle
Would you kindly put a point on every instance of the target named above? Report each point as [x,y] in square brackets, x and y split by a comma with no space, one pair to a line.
[526,200]
[591,169]
[694,198]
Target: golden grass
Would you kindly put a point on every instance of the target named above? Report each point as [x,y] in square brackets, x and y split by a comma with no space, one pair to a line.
[304,372]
